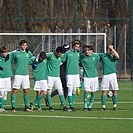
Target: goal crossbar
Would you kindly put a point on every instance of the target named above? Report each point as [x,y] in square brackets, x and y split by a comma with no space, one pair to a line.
[51,34]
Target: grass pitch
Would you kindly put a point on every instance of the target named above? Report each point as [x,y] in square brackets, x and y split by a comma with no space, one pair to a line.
[96,121]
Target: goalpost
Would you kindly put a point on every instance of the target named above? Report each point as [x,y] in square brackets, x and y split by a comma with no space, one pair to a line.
[49,41]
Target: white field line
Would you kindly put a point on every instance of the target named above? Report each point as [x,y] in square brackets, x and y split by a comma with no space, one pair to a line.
[129,102]
[66,117]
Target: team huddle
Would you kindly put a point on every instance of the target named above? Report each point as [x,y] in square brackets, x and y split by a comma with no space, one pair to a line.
[58,70]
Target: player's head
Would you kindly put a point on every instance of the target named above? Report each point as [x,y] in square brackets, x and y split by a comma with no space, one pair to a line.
[76,45]
[66,47]
[3,51]
[42,56]
[83,48]
[109,51]
[23,45]
[88,50]
[59,51]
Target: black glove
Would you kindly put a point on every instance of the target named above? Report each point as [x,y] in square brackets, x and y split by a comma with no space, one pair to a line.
[1,68]
[7,58]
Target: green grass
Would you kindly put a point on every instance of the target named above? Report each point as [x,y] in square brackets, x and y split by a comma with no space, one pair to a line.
[95,121]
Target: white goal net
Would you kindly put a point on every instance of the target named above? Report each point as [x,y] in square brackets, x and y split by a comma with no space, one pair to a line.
[49,41]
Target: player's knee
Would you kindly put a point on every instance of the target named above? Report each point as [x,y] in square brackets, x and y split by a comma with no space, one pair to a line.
[70,90]
[60,92]
[5,95]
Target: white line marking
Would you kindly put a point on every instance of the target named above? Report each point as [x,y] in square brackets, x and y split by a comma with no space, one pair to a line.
[81,103]
[67,117]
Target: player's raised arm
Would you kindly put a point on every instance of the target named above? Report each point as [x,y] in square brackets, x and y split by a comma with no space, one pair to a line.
[113,51]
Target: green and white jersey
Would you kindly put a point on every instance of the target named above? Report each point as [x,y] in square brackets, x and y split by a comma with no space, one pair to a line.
[40,73]
[6,65]
[89,64]
[21,60]
[109,63]
[53,65]
[72,59]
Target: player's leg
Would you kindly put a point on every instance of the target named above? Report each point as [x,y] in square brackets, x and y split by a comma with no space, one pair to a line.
[103,99]
[16,86]
[115,99]
[1,90]
[64,85]
[94,85]
[7,87]
[86,100]
[13,99]
[38,92]
[39,102]
[91,100]
[26,86]
[58,87]
[1,97]
[74,95]
[114,88]
[40,86]
[86,92]
[4,100]
[70,89]
[105,88]
[49,90]
[76,84]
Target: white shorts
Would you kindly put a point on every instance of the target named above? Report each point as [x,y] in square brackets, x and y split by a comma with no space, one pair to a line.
[54,82]
[40,85]
[109,82]
[21,80]
[91,84]
[5,84]
[73,80]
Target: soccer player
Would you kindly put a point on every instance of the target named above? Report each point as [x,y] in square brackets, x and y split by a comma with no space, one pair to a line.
[5,76]
[66,47]
[72,72]
[21,74]
[89,61]
[54,80]
[39,68]
[109,79]
[81,72]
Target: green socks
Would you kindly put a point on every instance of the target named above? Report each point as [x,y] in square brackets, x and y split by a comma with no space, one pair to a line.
[74,99]
[103,100]
[1,101]
[115,99]
[26,100]
[85,99]
[39,104]
[62,99]
[48,96]
[70,100]
[13,100]
[38,99]
[92,99]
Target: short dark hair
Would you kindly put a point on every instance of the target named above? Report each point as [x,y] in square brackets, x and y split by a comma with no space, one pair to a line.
[108,45]
[59,49]
[89,47]
[3,49]
[42,56]
[75,42]
[22,42]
